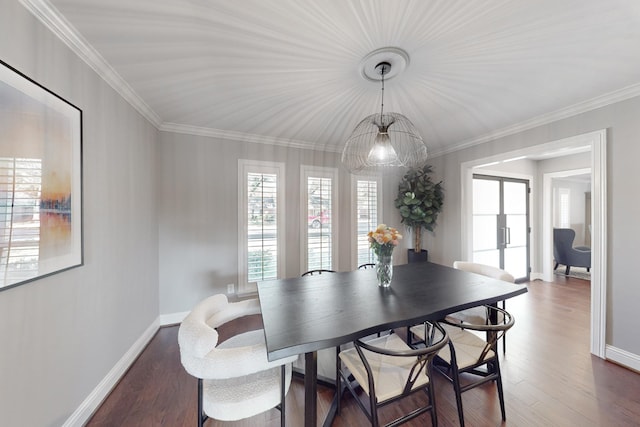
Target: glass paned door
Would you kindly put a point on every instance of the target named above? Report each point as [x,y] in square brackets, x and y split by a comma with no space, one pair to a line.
[501,224]
[516,247]
[486,209]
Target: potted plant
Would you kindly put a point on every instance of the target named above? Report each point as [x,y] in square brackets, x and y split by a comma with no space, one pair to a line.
[419,202]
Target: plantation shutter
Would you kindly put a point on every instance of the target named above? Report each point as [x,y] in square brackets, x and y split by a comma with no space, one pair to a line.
[366,218]
[262,236]
[320,214]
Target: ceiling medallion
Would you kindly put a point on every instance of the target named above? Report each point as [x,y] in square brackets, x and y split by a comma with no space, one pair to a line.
[396,57]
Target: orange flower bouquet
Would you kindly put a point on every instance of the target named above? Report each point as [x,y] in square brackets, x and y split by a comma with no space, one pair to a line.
[383,239]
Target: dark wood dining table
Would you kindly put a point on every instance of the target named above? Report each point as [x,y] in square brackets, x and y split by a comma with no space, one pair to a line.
[305,314]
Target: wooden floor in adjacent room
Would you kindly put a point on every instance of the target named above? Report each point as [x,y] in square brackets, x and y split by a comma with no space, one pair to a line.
[550,379]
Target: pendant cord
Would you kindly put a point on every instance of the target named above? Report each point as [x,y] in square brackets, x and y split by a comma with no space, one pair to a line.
[382,72]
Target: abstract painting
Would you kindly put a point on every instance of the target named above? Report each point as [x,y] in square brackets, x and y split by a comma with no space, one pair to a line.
[40,181]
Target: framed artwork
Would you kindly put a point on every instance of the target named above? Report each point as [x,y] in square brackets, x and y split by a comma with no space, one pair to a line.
[40,181]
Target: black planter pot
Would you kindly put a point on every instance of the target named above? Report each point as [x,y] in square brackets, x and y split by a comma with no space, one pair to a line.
[414,256]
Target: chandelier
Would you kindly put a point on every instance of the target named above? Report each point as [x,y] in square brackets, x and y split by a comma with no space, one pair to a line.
[383,140]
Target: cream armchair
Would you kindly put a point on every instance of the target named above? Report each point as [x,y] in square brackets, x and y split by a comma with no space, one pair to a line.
[235,379]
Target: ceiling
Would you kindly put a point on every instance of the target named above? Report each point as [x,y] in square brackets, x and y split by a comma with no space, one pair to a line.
[288,71]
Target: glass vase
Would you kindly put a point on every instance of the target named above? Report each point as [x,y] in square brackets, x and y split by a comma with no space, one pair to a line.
[384,270]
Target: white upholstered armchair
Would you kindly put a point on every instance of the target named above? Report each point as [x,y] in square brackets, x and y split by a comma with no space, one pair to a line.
[235,379]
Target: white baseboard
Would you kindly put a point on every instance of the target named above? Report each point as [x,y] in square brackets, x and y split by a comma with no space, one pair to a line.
[622,357]
[81,415]
[172,318]
[536,276]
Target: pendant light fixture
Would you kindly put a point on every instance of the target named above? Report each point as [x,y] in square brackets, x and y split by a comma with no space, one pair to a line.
[383,140]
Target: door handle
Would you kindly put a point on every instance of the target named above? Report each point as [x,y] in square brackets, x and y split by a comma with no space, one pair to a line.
[503,242]
[508,236]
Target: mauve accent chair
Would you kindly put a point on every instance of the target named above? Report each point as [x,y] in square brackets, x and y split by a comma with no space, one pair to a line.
[564,253]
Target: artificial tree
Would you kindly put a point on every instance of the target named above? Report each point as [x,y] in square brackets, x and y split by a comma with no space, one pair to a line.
[419,202]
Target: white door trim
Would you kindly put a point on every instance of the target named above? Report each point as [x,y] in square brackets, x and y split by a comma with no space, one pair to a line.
[597,141]
[547,220]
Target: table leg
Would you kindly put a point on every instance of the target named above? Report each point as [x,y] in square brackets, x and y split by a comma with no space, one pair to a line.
[310,389]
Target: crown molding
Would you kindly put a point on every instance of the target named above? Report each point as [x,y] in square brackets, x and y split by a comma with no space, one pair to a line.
[59,26]
[544,119]
[245,137]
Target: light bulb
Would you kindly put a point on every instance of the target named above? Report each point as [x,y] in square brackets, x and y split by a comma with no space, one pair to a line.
[382,153]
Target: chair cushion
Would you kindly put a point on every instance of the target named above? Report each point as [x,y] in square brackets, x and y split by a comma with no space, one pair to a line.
[468,347]
[389,372]
[242,397]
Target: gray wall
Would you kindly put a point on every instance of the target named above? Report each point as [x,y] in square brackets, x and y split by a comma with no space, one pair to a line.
[198,205]
[623,230]
[61,335]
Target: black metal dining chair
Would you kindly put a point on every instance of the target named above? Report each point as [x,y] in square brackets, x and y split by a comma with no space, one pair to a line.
[479,314]
[316,272]
[386,369]
[366,266]
[472,356]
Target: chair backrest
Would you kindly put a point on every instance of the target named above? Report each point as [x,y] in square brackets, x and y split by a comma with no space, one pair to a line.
[485,270]
[200,353]
[317,271]
[366,266]
[502,322]
[562,244]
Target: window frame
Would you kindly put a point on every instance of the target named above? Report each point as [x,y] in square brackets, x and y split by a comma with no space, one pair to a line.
[308,171]
[256,166]
[354,211]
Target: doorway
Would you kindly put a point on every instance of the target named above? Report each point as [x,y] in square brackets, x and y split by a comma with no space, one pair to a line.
[501,224]
[541,237]
[556,215]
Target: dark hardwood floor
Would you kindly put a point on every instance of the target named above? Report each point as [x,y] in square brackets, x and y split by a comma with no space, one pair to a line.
[550,378]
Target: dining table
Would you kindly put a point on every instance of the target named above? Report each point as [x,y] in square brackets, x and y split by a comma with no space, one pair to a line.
[303,315]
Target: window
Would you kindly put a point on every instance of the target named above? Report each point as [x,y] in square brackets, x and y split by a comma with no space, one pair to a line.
[366,199]
[564,205]
[20,191]
[319,205]
[261,210]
